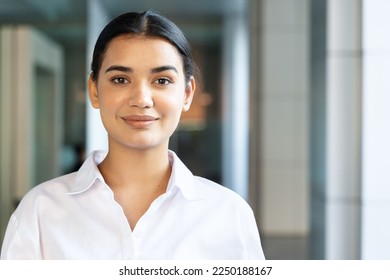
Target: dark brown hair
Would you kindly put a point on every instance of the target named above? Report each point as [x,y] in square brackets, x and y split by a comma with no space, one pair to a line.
[144,24]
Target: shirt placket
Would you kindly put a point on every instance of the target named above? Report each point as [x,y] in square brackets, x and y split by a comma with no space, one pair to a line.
[145,224]
[128,247]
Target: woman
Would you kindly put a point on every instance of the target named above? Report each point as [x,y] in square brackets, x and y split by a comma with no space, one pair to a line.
[138,200]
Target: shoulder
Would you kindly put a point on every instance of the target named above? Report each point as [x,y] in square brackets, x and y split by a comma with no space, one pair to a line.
[200,188]
[58,188]
[52,190]
[58,185]
[214,188]
[220,195]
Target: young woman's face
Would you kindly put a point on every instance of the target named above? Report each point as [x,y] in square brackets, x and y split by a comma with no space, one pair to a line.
[141,91]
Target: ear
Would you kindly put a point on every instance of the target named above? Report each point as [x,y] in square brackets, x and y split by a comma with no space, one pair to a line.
[93,93]
[189,94]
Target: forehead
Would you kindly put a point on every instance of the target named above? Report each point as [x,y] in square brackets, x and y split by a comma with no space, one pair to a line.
[143,51]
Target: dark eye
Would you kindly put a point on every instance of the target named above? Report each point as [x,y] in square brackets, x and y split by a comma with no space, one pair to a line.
[163,81]
[120,80]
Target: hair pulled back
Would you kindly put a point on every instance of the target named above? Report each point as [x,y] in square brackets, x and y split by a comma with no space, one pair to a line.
[143,24]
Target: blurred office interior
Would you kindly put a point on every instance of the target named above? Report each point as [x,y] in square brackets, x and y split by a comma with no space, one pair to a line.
[293,112]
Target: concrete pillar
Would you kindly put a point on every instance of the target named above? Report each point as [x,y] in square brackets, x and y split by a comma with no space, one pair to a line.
[335,129]
[376,131]
[235,82]
[279,115]
[97,18]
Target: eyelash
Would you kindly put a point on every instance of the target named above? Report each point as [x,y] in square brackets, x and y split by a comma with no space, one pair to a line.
[163,81]
[159,81]
[119,80]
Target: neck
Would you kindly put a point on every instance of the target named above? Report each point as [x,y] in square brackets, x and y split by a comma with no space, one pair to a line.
[137,170]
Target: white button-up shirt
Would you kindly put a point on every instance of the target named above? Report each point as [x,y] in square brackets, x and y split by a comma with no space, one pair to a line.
[76,217]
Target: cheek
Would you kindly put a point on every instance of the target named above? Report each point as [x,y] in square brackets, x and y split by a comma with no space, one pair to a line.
[109,101]
[171,106]
[107,106]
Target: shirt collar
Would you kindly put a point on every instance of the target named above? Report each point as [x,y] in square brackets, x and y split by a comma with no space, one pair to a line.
[88,173]
[181,177]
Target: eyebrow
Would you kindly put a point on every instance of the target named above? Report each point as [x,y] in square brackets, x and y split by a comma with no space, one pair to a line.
[163,68]
[130,70]
[119,68]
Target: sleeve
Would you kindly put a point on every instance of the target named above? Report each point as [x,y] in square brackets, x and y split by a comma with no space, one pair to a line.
[20,241]
[252,239]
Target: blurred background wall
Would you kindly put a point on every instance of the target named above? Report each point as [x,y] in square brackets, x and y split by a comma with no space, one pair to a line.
[292,113]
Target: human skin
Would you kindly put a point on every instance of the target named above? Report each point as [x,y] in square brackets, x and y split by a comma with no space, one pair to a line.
[141,76]
[141,92]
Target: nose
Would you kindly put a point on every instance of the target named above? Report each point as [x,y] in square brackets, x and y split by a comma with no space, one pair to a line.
[141,96]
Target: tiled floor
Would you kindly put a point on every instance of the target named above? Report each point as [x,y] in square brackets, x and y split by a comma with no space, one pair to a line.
[285,248]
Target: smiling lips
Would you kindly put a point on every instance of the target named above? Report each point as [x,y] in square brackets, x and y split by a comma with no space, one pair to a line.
[139,121]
